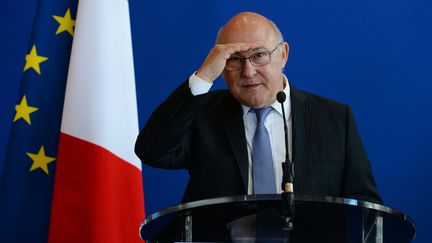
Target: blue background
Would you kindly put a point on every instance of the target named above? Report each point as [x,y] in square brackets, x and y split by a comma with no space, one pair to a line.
[374,55]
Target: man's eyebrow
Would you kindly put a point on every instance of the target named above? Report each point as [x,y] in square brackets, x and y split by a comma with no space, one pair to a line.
[259,48]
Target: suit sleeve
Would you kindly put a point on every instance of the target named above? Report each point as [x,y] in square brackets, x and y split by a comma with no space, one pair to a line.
[359,181]
[164,142]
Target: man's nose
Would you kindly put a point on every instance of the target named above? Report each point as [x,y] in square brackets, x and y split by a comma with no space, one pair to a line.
[248,70]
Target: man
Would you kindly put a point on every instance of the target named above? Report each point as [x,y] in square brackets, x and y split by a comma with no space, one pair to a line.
[212,133]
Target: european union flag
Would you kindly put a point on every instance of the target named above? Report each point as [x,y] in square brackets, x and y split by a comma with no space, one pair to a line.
[26,183]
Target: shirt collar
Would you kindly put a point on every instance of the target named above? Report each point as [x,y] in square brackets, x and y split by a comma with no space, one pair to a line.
[276,105]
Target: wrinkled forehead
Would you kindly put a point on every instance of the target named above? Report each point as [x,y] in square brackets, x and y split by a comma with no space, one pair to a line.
[257,49]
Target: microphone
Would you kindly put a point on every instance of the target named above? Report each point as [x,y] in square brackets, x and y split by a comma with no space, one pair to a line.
[287,208]
[281,97]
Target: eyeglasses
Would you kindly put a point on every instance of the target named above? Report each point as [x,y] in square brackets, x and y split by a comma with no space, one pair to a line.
[257,59]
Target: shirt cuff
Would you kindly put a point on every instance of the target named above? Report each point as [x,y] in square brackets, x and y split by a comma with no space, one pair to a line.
[198,86]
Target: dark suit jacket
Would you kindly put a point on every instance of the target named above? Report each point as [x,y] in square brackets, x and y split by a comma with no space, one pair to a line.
[205,134]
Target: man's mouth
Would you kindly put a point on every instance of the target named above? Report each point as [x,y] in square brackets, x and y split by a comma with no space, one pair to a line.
[252,85]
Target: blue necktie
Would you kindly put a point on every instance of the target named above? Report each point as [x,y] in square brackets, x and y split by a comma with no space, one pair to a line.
[262,160]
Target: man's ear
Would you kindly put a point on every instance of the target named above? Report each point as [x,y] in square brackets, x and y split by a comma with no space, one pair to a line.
[285,52]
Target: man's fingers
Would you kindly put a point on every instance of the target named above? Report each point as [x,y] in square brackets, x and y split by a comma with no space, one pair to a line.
[215,62]
[232,48]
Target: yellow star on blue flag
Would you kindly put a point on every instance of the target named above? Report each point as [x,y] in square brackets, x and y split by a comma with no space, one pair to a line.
[23,110]
[40,160]
[66,23]
[33,60]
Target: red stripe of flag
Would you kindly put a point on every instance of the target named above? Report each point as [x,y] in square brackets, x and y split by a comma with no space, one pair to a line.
[100,195]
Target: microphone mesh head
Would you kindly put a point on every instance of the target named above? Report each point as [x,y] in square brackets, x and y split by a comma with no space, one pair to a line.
[280,96]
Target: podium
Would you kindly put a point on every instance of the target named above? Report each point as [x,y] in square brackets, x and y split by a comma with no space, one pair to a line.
[316,219]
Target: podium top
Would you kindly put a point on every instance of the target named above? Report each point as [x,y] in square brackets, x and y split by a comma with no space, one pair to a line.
[247,204]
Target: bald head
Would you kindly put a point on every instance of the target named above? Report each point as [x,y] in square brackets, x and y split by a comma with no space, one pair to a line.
[246,25]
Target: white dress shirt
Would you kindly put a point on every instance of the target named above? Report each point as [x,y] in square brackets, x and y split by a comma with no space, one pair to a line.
[273,123]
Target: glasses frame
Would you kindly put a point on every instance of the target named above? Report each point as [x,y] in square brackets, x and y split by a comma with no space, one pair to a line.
[243,59]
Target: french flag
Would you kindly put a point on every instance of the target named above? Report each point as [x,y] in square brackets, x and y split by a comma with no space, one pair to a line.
[98,194]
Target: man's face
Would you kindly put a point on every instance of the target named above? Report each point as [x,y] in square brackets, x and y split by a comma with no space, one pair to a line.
[257,86]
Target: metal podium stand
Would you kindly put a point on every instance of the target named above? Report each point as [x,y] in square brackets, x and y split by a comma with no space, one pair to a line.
[317,219]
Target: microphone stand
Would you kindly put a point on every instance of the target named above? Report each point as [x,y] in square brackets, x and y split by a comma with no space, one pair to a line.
[287,209]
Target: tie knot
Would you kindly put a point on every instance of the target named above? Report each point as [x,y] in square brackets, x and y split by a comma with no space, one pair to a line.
[262,113]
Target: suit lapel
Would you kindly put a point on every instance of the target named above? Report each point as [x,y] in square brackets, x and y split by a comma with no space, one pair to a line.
[301,127]
[230,113]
